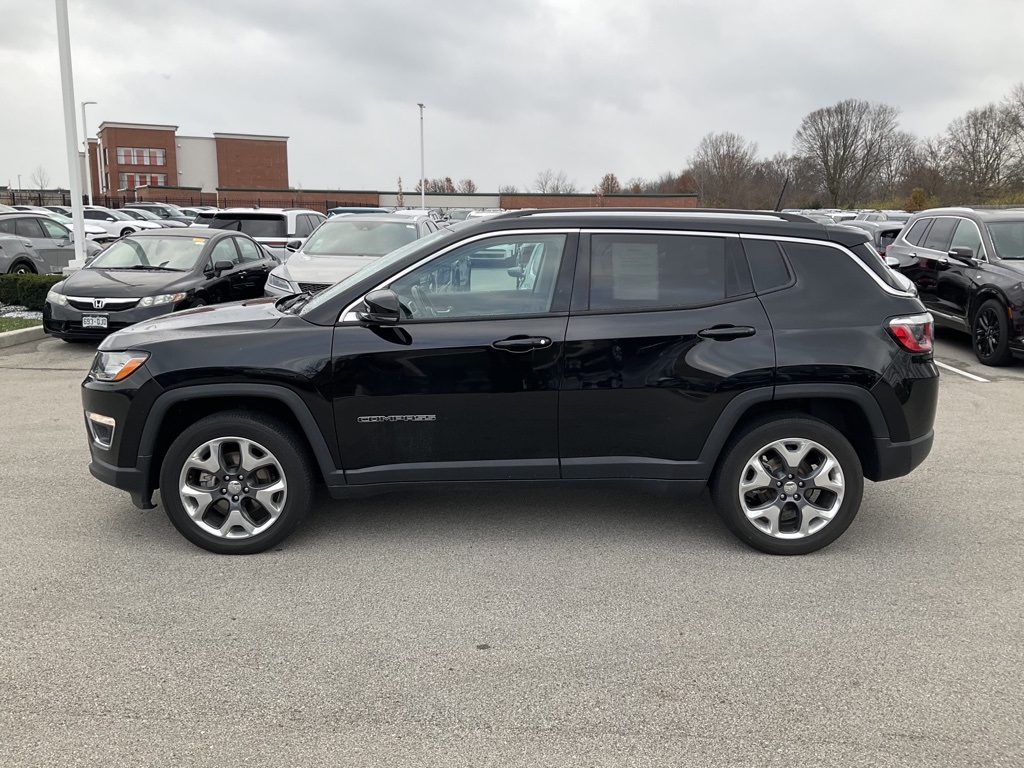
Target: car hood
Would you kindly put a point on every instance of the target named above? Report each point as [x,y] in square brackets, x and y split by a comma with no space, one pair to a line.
[240,317]
[301,268]
[124,283]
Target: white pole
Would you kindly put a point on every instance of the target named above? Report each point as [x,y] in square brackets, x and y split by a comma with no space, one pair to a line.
[67,83]
[423,171]
[85,133]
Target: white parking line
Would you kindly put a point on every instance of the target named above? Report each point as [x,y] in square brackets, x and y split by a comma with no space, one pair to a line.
[962,373]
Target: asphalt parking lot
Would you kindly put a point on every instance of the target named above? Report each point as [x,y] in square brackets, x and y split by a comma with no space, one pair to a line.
[513,629]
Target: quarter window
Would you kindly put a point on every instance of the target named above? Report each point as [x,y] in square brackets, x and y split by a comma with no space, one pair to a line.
[916,233]
[767,265]
[638,271]
[510,275]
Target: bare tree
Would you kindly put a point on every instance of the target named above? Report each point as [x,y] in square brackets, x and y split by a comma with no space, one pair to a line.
[723,165]
[466,186]
[401,194]
[847,143]
[609,185]
[549,182]
[508,189]
[979,152]
[635,185]
[544,181]
[40,179]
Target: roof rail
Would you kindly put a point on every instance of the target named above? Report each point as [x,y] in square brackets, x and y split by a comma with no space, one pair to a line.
[680,212]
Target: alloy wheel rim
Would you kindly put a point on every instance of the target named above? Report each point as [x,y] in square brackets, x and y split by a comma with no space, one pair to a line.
[232,488]
[791,488]
[986,332]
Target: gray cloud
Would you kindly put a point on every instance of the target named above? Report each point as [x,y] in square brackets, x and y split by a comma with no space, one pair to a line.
[511,88]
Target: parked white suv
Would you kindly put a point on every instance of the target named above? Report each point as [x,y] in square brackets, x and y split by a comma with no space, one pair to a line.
[274,228]
[116,223]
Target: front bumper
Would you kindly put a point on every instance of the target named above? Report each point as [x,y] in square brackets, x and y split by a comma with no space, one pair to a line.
[65,322]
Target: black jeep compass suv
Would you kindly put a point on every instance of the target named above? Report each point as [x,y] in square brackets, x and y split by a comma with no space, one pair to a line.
[776,360]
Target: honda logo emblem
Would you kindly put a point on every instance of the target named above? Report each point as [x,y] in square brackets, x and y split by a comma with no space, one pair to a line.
[98,303]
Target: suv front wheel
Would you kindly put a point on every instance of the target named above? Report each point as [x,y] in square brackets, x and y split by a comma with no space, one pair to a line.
[788,486]
[236,482]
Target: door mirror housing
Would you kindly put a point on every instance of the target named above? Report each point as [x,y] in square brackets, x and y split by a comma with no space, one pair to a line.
[965,255]
[892,262]
[382,307]
[215,270]
[293,245]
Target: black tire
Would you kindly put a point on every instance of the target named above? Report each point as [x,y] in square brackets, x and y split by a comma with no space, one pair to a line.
[21,268]
[245,509]
[127,231]
[197,303]
[802,507]
[990,334]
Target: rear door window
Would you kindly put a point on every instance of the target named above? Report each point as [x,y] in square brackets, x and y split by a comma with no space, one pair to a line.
[939,235]
[655,271]
[28,228]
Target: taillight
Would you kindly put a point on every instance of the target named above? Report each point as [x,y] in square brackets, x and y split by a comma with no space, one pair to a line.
[275,243]
[915,333]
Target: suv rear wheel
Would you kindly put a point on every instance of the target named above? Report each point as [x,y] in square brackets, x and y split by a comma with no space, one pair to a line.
[990,332]
[788,486]
[236,482]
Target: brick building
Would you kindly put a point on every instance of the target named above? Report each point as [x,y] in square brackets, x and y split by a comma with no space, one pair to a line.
[126,156]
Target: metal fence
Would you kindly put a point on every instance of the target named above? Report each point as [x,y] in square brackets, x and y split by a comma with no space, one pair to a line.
[63,197]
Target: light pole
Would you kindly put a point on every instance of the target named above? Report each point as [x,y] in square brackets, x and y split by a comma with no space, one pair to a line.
[67,82]
[85,133]
[423,172]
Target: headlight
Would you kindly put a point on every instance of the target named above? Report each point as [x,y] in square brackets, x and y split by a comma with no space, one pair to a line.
[281,284]
[114,366]
[163,298]
[56,298]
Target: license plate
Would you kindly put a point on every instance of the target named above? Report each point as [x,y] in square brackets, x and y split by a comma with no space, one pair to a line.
[94,321]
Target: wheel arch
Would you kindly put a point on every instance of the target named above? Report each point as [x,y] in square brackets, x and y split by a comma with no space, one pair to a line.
[851,410]
[177,409]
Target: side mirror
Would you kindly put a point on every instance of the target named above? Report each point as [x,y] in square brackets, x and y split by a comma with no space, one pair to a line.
[382,308]
[110,218]
[964,255]
[293,245]
[517,272]
[892,262]
[215,270]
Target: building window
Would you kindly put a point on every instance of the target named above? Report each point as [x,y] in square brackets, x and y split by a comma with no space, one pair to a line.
[141,156]
[133,180]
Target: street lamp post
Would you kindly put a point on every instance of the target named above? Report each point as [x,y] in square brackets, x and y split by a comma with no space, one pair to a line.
[423,171]
[67,82]
[85,134]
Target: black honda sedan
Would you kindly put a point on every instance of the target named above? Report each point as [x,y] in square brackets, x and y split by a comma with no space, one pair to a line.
[153,273]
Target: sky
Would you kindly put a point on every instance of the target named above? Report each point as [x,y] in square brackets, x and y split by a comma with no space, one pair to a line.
[510,87]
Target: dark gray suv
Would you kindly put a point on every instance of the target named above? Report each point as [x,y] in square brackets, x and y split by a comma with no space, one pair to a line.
[968,267]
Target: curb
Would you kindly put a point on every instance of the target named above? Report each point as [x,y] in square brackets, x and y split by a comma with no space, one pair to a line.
[21,336]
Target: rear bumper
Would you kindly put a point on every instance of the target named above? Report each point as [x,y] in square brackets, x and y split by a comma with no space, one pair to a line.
[899,459]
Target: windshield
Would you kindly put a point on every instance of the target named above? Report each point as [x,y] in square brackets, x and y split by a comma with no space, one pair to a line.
[177,253]
[253,225]
[1008,238]
[379,267]
[138,213]
[344,237]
